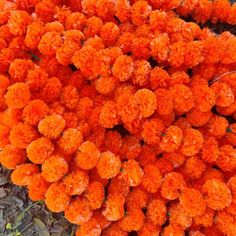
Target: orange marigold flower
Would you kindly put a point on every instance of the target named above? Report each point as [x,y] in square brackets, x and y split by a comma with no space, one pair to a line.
[193,202]
[34,111]
[232,185]
[217,194]
[172,139]
[220,10]
[141,48]
[152,178]
[133,172]
[91,227]
[37,188]
[76,182]
[206,219]
[137,199]
[224,94]
[210,150]
[123,10]
[183,98]
[108,165]
[156,211]
[202,11]
[22,135]
[93,26]
[142,69]
[173,229]
[49,43]
[123,68]
[51,126]
[18,96]
[217,126]
[56,198]
[172,185]
[152,131]
[147,102]
[87,156]
[109,115]
[114,207]
[192,142]
[226,160]
[70,141]
[109,33]
[140,12]
[18,22]
[4,135]
[177,54]
[54,168]
[198,118]
[194,167]
[11,156]
[114,230]
[158,20]
[40,150]
[113,141]
[179,216]
[23,173]
[133,220]
[95,195]
[105,85]
[165,102]
[177,158]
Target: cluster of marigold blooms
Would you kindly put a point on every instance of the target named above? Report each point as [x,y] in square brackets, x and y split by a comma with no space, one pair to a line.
[121,114]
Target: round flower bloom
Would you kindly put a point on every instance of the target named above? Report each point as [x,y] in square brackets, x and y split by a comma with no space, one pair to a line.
[210,150]
[56,198]
[109,115]
[152,131]
[173,229]
[123,68]
[192,142]
[177,54]
[37,187]
[109,33]
[217,194]
[133,220]
[140,12]
[18,96]
[142,69]
[149,228]
[172,185]
[122,10]
[108,165]
[11,157]
[49,43]
[105,85]
[51,126]
[179,216]
[34,111]
[87,156]
[95,195]
[152,178]
[114,207]
[76,182]
[4,135]
[70,140]
[226,160]
[183,98]
[18,22]
[39,150]
[232,185]
[205,220]
[198,118]
[22,135]
[93,26]
[69,97]
[54,168]
[193,202]
[224,94]
[156,211]
[147,102]
[132,171]
[19,68]
[176,158]
[171,139]
[194,167]
[36,78]
[23,173]
[91,227]
[165,101]
[217,126]
[78,211]
[137,198]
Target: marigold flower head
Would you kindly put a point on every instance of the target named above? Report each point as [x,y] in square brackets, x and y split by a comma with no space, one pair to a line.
[226,160]
[217,126]
[76,182]
[198,118]
[109,33]
[217,194]
[232,185]
[51,126]
[114,207]
[177,158]
[206,219]
[18,96]
[105,85]
[173,229]
[152,178]
[11,157]
[56,198]
[137,199]
[91,227]
[23,173]
[108,165]
[37,187]
[149,228]
[113,141]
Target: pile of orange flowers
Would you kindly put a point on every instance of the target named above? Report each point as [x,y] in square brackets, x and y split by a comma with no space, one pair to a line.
[121,114]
